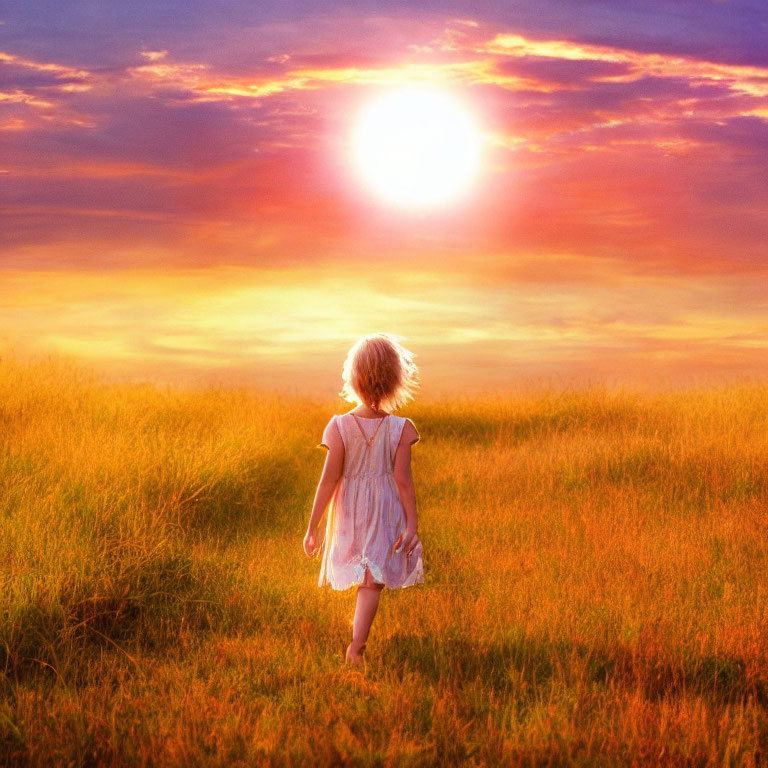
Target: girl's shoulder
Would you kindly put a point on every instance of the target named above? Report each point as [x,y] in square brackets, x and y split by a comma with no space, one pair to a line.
[408,432]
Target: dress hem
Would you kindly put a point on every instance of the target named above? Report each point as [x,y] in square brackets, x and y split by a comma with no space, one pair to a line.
[419,579]
[358,583]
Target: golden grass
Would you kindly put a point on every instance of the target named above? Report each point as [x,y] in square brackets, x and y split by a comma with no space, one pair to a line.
[596,575]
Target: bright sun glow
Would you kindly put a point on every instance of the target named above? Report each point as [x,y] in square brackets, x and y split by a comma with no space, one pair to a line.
[417,148]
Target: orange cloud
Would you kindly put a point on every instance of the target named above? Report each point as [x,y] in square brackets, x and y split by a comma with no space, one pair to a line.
[58,70]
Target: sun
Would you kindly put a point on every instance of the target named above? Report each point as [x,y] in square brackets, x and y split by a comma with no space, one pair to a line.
[416,147]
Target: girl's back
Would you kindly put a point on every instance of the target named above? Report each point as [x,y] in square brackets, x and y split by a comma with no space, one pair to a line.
[366,515]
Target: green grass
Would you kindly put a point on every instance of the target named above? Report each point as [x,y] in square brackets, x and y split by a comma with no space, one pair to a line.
[596,575]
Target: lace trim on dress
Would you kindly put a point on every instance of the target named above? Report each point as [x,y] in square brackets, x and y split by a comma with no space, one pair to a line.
[374,569]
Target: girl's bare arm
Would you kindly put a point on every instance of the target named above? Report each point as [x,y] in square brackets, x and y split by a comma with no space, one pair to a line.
[332,469]
[404,478]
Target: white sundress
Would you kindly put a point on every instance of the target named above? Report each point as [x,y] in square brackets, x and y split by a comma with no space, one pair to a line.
[365,514]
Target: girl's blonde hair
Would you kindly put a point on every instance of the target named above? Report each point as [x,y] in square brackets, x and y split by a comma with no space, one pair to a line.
[379,372]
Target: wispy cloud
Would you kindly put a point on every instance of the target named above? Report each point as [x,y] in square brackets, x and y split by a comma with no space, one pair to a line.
[265,325]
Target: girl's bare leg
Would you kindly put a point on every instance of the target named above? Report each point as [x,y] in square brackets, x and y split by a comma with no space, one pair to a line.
[367,604]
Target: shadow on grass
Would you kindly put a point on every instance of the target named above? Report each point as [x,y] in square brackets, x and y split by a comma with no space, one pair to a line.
[142,604]
[722,678]
[249,498]
[524,665]
[515,429]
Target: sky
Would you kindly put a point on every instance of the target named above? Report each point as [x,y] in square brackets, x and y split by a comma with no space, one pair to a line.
[179,201]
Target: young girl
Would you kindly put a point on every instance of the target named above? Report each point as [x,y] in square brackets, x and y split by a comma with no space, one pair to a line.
[371,539]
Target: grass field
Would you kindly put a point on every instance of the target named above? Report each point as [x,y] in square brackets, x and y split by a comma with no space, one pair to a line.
[596,578]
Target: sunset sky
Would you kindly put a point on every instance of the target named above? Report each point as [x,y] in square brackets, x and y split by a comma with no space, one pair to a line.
[179,202]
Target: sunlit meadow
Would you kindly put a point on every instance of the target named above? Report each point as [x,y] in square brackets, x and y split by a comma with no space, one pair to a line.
[596,570]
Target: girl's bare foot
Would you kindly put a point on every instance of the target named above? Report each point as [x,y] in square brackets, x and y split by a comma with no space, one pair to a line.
[355,657]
